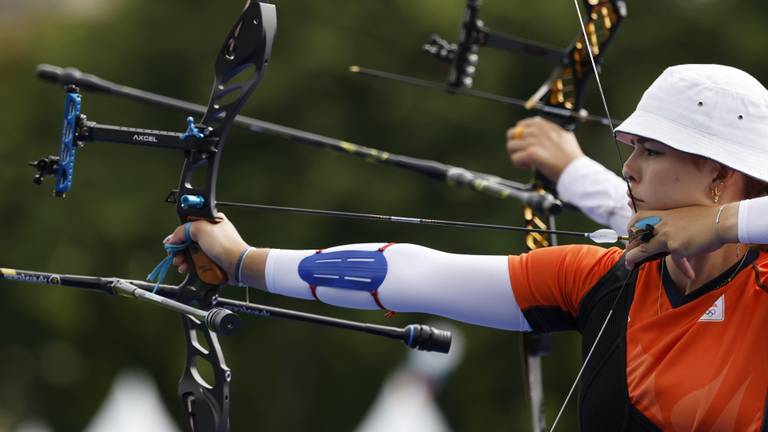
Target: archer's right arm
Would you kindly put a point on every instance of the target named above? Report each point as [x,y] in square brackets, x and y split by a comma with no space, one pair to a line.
[594,189]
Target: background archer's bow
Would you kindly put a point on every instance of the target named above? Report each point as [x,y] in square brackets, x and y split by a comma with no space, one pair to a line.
[59,345]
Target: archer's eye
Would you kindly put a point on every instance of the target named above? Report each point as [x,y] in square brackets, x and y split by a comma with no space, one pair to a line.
[651,152]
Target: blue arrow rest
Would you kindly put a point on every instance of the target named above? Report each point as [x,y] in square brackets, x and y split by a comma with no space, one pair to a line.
[68,143]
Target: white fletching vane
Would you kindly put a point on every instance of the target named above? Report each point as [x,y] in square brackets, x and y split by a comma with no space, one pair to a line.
[604,235]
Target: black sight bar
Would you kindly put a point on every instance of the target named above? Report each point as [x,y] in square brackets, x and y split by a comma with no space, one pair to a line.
[541,201]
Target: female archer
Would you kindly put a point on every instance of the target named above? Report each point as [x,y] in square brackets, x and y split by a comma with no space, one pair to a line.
[672,343]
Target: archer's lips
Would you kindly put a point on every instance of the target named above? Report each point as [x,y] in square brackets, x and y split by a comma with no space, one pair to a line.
[631,196]
[635,206]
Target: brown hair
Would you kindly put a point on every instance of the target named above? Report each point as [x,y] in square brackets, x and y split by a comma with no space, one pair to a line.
[754,188]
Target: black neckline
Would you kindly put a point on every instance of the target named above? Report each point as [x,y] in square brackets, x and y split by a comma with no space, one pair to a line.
[677,298]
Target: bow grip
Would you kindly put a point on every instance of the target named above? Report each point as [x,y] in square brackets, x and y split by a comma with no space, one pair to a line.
[206,270]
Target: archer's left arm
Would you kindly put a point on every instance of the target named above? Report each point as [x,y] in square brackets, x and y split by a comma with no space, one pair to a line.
[474,289]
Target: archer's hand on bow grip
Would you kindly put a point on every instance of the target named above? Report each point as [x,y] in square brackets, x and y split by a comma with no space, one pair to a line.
[215,248]
[206,270]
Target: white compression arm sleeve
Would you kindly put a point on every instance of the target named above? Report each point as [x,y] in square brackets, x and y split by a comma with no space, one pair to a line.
[470,288]
[753,221]
[597,192]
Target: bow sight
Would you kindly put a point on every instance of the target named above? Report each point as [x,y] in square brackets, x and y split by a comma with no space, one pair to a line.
[78,130]
[564,88]
[559,97]
[464,54]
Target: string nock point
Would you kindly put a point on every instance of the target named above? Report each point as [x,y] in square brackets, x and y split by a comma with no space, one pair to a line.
[644,229]
[192,201]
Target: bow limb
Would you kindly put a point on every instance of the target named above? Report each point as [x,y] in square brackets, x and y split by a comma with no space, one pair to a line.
[564,89]
[561,93]
[240,66]
[590,51]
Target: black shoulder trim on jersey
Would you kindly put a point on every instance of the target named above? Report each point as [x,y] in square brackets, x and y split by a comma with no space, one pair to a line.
[677,298]
[641,423]
[610,284]
[547,319]
[603,396]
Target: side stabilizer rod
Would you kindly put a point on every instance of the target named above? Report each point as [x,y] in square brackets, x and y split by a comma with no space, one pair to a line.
[222,317]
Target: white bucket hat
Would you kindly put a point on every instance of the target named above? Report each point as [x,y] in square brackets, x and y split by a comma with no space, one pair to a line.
[714,111]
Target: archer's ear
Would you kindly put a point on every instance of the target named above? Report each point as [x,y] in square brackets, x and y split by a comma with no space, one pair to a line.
[722,173]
